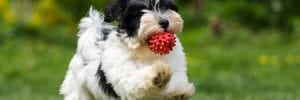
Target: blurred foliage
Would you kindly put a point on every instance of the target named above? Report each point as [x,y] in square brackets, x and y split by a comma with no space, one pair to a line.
[281,15]
[255,14]
[260,14]
[236,49]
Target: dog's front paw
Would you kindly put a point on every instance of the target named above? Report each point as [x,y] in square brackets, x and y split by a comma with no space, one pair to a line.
[183,94]
[162,74]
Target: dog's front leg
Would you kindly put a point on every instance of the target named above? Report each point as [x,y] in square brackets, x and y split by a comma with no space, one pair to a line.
[161,74]
[72,89]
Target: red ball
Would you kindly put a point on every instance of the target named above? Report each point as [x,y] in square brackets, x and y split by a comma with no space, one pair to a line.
[162,42]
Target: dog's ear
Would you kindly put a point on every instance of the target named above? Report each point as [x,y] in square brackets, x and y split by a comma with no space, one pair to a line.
[114,10]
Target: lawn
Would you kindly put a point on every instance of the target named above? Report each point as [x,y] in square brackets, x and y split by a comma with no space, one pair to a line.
[240,66]
[237,66]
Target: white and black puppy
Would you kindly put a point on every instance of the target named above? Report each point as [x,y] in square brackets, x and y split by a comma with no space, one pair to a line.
[115,63]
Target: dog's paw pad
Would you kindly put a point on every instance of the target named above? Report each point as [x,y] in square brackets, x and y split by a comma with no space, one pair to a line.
[163,75]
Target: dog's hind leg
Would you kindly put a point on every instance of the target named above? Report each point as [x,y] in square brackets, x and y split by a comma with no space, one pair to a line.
[179,88]
[72,90]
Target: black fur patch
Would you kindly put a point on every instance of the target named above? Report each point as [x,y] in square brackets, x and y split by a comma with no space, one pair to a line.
[113,10]
[128,12]
[130,19]
[105,86]
[151,4]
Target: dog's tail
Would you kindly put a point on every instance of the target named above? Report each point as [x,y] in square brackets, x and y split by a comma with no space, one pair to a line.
[89,50]
[91,34]
[91,23]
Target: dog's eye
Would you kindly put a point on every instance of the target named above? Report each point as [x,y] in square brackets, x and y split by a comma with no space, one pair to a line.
[168,5]
[172,7]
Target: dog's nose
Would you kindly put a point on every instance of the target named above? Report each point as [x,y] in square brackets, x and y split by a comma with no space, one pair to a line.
[164,23]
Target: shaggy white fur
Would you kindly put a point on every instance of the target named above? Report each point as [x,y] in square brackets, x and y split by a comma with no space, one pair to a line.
[135,73]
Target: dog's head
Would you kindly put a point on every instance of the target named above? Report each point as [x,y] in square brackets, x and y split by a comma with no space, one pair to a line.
[141,18]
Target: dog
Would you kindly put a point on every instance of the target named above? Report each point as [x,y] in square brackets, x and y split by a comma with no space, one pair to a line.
[113,60]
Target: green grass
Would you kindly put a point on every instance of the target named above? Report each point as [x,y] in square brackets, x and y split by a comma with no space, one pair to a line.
[32,69]
[237,66]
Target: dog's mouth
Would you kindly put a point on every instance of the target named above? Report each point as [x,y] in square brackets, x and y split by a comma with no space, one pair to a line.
[159,32]
[163,32]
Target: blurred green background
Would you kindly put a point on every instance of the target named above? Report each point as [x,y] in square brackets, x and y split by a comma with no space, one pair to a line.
[236,49]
